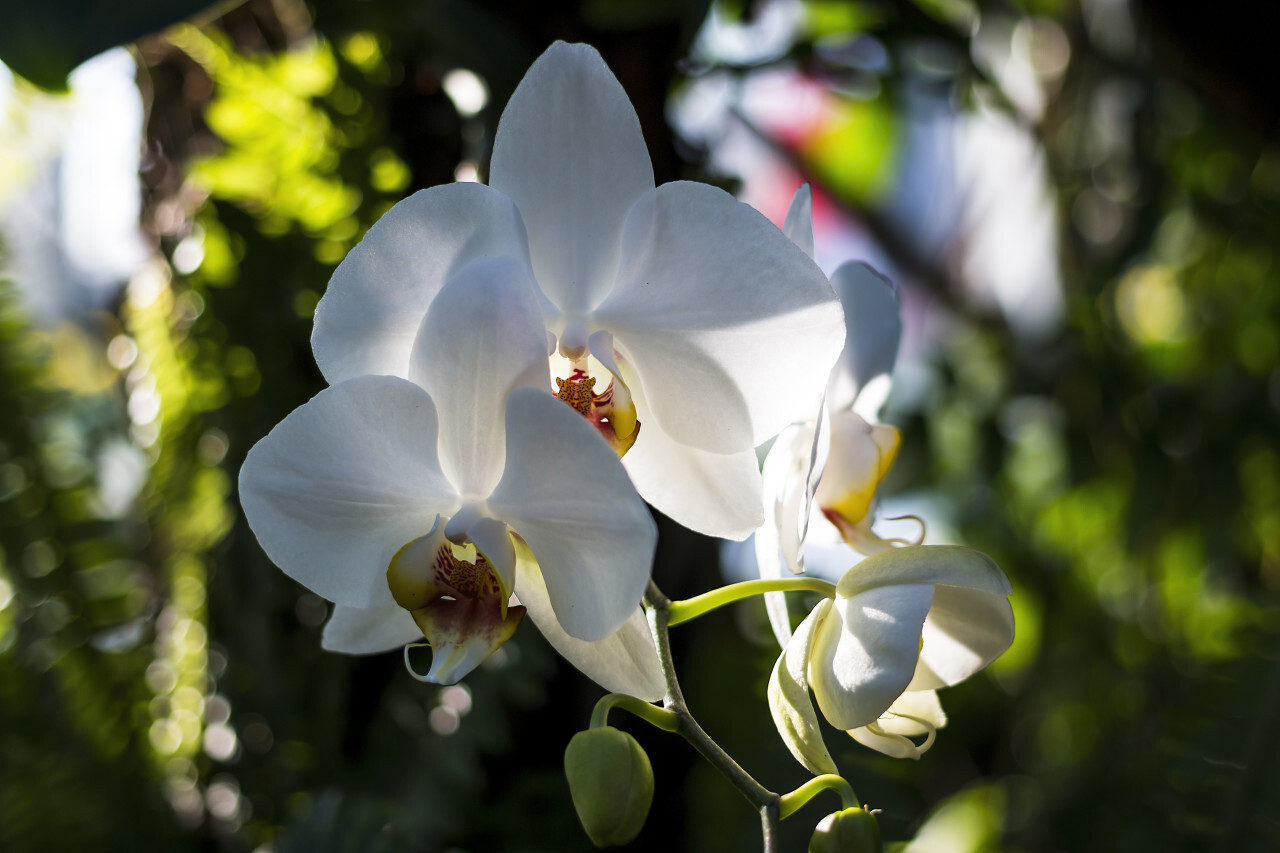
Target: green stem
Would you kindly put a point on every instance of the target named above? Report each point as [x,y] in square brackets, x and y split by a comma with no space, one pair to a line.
[692,608]
[791,803]
[658,608]
[769,827]
[662,718]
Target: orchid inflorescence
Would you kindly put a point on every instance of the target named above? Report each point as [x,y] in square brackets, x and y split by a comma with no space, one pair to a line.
[516,369]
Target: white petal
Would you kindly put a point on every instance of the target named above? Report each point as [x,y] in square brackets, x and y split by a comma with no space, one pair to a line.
[712,493]
[862,662]
[343,482]
[810,447]
[966,630]
[721,316]
[951,565]
[566,494]
[570,154]
[624,662]
[769,567]
[600,345]
[789,701]
[366,631]
[873,318]
[369,315]
[775,478]
[482,336]
[892,745]
[914,713]
[778,540]
[798,226]
[816,465]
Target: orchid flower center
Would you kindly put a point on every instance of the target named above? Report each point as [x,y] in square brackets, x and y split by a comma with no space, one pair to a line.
[458,599]
[472,578]
[612,412]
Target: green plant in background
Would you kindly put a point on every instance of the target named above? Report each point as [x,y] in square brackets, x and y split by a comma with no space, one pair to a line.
[282,151]
[88,571]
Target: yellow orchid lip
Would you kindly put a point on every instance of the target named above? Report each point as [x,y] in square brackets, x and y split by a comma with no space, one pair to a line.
[861,457]
[458,600]
[612,412]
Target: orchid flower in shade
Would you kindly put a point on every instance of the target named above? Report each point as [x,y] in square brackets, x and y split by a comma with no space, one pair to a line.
[904,622]
[838,456]
[680,322]
[418,505]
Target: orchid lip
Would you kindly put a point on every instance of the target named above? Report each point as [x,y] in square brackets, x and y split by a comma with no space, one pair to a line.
[455,593]
[434,566]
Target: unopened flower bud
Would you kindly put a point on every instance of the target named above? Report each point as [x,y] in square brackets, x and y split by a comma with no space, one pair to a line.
[611,782]
[849,831]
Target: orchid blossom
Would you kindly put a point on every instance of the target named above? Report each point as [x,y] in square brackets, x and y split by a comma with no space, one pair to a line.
[838,457]
[903,623]
[419,503]
[680,322]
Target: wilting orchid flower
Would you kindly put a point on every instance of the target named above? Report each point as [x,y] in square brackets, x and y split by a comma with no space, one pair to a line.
[904,622]
[683,324]
[839,455]
[418,504]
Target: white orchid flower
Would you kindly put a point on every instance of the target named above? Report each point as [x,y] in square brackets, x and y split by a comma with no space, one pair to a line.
[839,455]
[417,503]
[904,622]
[680,321]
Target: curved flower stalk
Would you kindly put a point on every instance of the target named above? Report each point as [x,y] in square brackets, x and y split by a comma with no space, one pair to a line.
[418,505]
[680,321]
[903,623]
[838,457]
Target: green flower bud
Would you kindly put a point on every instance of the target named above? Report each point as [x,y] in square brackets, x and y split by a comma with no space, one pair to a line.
[611,782]
[850,831]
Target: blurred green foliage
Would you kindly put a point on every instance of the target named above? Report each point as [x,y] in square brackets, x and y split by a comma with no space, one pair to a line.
[162,685]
